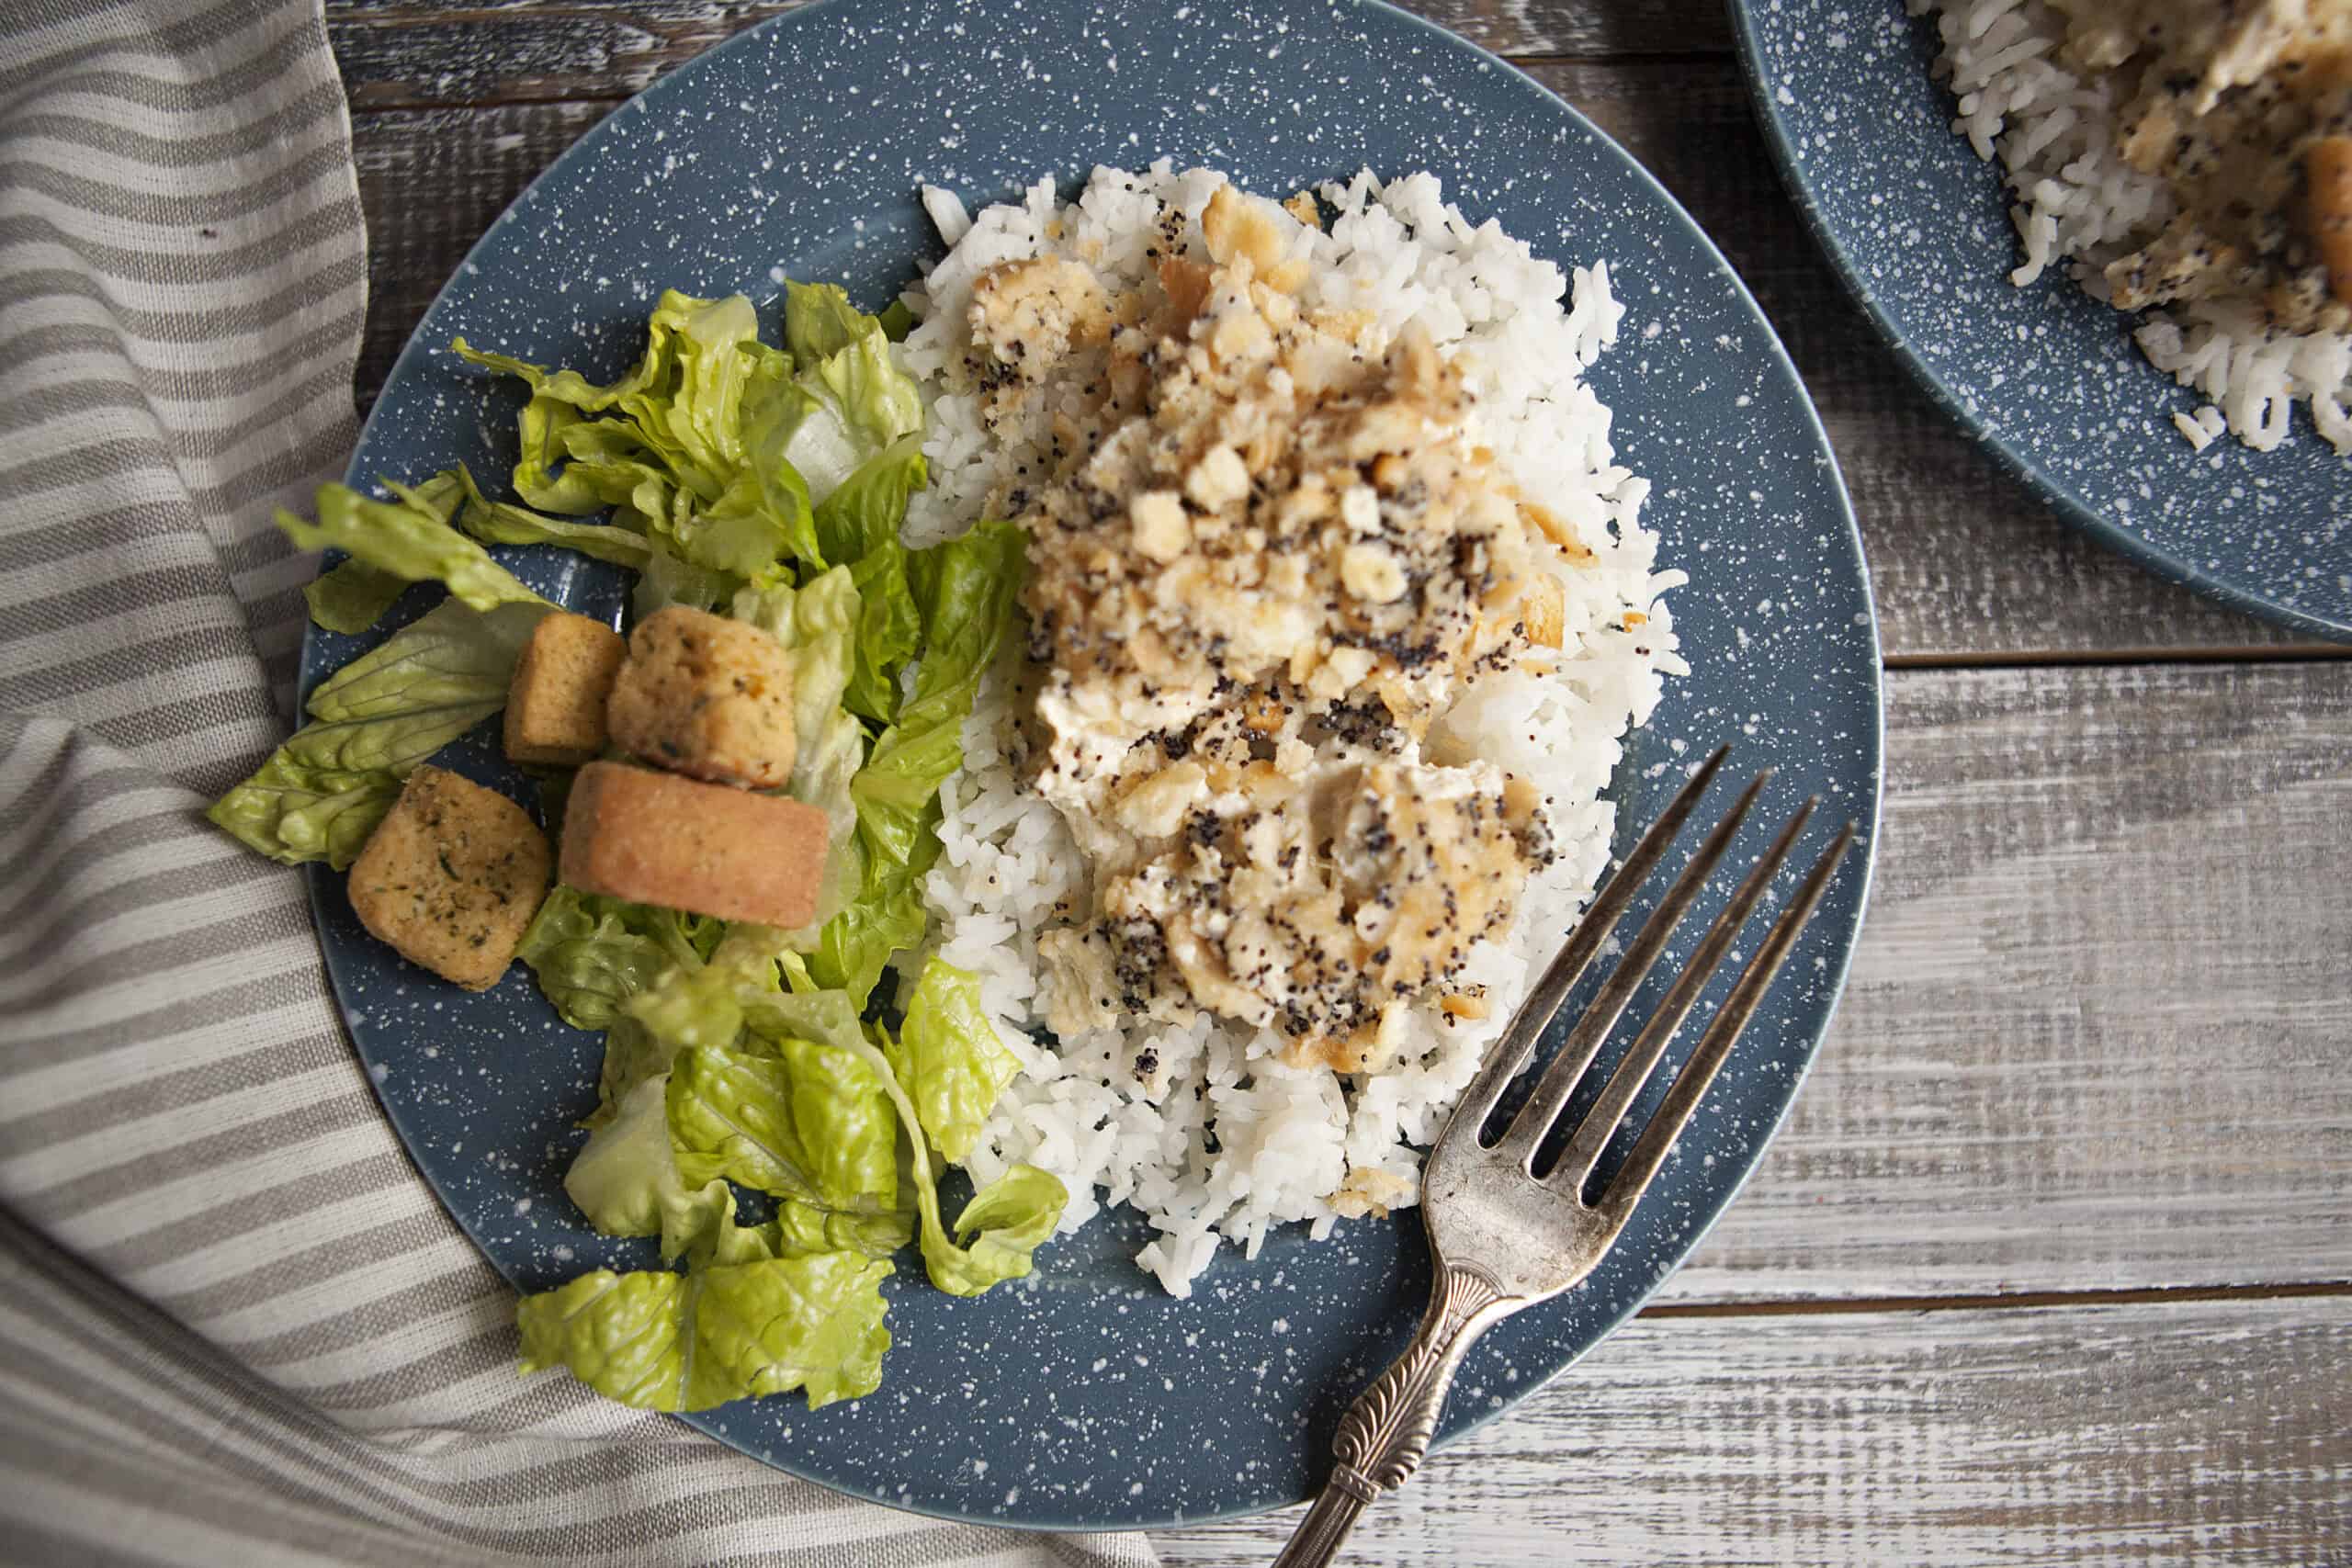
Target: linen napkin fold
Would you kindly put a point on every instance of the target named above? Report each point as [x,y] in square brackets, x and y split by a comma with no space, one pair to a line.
[238,1326]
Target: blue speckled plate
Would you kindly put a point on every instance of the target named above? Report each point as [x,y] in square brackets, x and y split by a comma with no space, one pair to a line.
[2045,376]
[1086,1398]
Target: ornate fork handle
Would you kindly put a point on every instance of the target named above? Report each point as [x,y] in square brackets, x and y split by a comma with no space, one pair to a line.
[1387,1429]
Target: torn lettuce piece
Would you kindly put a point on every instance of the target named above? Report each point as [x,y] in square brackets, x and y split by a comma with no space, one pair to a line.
[887,915]
[351,597]
[295,813]
[1022,1209]
[659,1340]
[858,525]
[998,1234]
[691,449]
[322,793]
[500,523]
[756,521]
[967,591]
[949,1058]
[627,1182]
[448,657]
[819,623]
[818,320]
[888,631]
[685,391]
[591,954]
[355,595]
[665,579]
[863,401]
[802,1227]
[808,1121]
[406,538]
[693,1003]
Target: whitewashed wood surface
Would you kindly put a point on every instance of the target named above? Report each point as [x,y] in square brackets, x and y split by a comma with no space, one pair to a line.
[2052,1263]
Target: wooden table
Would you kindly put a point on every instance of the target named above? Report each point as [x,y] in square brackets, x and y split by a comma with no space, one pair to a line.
[2052,1263]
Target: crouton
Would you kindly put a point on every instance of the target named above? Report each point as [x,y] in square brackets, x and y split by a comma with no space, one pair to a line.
[656,839]
[451,876]
[555,708]
[706,696]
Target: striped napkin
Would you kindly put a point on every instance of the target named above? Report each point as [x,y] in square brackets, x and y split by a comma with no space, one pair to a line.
[238,1328]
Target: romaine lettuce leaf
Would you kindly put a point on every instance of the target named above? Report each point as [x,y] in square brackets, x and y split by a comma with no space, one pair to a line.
[858,525]
[632,1055]
[351,597]
[665,581]
[694,1003]
[355,595]
[591,954]
[817,622]
[818,320]
[966,589]
[999,1231]
[864,402]
[498,523]
[294,813]
[863,387]
[886,915]
[320,795]
[692,450]
[827,1017]
[807,1121]
[949,1058]
[888,631]
[626,1178]
[403,538]
[660,1340]
[802,1227]
[1004,1232]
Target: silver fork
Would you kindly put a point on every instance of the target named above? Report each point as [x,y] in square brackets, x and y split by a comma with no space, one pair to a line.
[1503,1238]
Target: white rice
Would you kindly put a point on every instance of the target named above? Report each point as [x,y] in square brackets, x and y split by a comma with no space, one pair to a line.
[1236,1141]
[2080,203]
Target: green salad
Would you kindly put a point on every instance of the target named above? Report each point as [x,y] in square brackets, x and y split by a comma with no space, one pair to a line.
[769,484]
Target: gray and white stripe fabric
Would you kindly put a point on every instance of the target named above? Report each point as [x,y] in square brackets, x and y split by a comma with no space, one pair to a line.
[238,1327]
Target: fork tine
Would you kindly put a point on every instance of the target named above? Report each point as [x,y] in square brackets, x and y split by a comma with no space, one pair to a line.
[1658,1138]
[1592,1134]
[1509,1054]
[1559,1080]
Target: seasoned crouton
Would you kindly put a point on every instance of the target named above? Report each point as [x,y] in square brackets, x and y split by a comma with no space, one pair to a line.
[555,708]
[706,696]
[452,875]
[658,839]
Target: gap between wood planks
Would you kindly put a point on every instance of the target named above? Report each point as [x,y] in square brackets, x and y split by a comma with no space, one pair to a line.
[2040,659]
[2022,1300]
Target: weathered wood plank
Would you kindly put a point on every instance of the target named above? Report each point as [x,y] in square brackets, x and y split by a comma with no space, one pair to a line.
[432,181]
[1967,565]
[398,53]
[2208,1432]
[2095,1035]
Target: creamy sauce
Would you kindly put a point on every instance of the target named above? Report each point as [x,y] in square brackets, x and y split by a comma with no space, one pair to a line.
[1267,558]
[2245,108]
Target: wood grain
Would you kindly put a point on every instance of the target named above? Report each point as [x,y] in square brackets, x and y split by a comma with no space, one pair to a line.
[432,181]
[1967,566]
[2094,1033]
[2208,1433]
[407,55]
